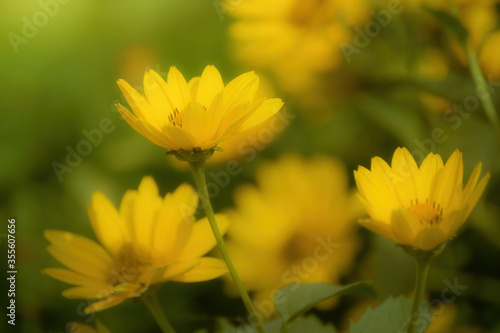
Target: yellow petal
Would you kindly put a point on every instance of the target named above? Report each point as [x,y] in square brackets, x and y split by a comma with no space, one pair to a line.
[429,237]
[476,194]
[429,170]
[448,181]
[178,268]
[177,89]
[105,304]
[209,86]
[240,90]
[127,211]
[405,226]
[146,211]
[384,178]
[72,277]
[87,292]
[193,87]
[265,111]
[471,184]
[157,98]
[174,222]
[195,121]
[73,242]
[207,269]
[181,138]
[139,104]
[80,262]
[202,239]
[109,228]
[139,127]
[409,186]
[378,227]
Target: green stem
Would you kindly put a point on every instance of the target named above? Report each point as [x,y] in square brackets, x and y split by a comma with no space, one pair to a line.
[478,78]
[423,264]
[198,169]
[153,305]
[482,86]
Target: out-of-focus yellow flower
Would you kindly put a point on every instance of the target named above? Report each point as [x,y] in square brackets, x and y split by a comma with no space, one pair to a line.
[149,240]
[178,115]
[76,327]
[294,36]
[419,207]
[444,321]
[297,225]
[490,57]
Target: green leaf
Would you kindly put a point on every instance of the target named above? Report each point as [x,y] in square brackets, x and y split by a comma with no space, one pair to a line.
[451,24]
[392,316]
[294,299]
[310,324]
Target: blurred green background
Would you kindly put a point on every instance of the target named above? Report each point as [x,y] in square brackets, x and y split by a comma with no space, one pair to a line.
[61,82]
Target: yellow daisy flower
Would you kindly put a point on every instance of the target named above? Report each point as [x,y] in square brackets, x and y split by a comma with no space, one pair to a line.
[294,36]
[198,114]
[304,216]
[76,327]
[419,207]
[149,240]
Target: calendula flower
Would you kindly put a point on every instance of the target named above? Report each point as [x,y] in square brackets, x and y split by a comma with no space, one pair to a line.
[76,327]
[294,36]
[422,207]
[195,115]
[147,241]
[297,225]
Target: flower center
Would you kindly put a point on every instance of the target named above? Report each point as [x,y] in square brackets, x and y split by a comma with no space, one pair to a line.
[175,118]
[130,263]
[308,13]
[427,213]
[298,247]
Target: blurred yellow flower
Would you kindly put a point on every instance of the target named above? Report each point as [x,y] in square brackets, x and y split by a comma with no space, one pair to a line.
[490,57]
[76,327]
[149,240]
[178,115]
[419,207]
[294,36]
[297,225]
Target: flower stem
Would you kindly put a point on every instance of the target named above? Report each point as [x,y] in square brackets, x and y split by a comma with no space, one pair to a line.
[153,306]
[198,169]
[423,264]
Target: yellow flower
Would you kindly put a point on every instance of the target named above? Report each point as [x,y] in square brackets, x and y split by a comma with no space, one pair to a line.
[490,57]
[294,36]
[419,207]
[149,240]
[297,225]
[197,115]
[76,327]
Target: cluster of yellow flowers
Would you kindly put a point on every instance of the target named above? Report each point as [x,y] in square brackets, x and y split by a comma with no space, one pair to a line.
[298,223]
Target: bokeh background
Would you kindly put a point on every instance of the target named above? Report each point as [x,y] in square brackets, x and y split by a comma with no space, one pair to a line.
[60,82]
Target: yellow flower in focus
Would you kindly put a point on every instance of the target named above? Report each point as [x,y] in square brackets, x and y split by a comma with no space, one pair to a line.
[297,225]
[294,36]
[193,116]
[149,240]
[419,207]
[76,327]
